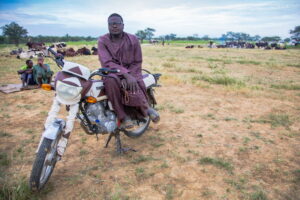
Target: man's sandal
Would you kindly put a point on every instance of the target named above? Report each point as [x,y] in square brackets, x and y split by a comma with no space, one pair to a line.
[127,124]
[153,114]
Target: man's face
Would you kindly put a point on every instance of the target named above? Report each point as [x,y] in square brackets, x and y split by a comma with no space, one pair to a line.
[115,25]
[30,64]
[40,61]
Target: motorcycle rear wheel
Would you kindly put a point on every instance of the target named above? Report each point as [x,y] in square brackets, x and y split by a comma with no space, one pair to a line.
[139,129]
[44,164]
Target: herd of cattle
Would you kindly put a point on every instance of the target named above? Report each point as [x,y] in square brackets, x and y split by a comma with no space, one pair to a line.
[245,45]
[39,49]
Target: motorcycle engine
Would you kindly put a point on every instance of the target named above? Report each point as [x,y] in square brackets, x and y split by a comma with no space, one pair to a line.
[105,119]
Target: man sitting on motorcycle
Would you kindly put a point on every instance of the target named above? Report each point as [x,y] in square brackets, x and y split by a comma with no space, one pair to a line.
[126,89]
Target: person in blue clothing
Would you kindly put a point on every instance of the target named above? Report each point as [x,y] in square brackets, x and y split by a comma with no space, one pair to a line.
[26,72]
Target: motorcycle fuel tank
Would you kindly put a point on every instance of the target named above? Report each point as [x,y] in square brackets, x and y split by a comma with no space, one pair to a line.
[76,69]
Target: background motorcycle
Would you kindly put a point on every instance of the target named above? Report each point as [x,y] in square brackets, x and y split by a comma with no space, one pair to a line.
[85,100]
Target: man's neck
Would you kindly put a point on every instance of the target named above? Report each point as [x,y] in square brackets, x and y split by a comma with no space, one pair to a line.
[115,37]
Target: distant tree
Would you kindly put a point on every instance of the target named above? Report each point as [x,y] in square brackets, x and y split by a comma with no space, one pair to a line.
[167,37]
[196,36]
[66,38]
[296,33]
[141,35]
[256,38]
[230,36]
[244,37]
[162,37]
[14,32]
[89,38]
[271,39]
[287,40]
[170,36]
[205,37]
[190,38]
[223,37]
[236,36]
[2,39]
[149,33]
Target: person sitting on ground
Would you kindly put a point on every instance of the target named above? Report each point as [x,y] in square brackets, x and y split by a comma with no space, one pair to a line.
[42,72]
[126,90]
[26,72]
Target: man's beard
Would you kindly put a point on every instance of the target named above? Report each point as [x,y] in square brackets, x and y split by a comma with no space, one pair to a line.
[116,34]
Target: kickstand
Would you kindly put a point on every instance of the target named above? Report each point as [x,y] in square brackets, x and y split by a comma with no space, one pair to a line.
[119,148]
[108,139]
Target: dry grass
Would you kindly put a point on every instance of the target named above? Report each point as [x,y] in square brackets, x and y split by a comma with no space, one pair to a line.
[230,129]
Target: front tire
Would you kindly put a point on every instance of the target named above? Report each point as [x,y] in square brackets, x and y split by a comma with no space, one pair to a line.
[43,165]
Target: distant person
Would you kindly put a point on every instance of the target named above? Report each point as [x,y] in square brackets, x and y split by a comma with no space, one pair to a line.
[26,72]
[211,44]
[122,51]
[42,72]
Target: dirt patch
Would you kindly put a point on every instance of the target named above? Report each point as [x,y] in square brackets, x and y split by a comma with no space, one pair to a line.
[213,142]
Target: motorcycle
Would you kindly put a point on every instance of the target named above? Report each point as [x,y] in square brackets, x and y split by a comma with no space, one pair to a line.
[85,100]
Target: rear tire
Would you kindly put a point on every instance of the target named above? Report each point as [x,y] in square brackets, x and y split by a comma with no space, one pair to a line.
[139,130]
[40,167]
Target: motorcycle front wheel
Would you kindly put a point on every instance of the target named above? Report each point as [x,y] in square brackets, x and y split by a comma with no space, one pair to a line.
[140,127]
[44,164]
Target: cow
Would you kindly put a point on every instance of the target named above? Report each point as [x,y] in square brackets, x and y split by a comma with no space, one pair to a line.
[61,51]
[221,46]
[273,45]
[16,52]
[261,44]
[267,48]
[153,41]
[280,48]
[83,51]
[249,46]
[94,51]
[31,54]
[189,47]
[36,45]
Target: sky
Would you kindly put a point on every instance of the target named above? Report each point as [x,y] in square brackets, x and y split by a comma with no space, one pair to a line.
[181,17]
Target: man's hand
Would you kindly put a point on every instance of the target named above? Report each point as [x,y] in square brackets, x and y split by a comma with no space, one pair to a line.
[21,71]
[131,83]
[28,71]
[43,66]
[124,83]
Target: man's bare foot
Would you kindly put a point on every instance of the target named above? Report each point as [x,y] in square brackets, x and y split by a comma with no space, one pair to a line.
[127,123]
[24,87]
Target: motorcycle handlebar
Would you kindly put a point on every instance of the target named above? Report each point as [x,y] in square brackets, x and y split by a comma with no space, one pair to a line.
[104,72]
[58,57]
[53,52]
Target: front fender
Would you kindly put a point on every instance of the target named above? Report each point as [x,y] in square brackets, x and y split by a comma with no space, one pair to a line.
[54,129]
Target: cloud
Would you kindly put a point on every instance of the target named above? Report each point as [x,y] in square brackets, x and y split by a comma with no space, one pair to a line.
[182,18]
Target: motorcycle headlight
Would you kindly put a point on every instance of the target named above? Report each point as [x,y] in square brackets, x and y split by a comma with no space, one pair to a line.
[68,93]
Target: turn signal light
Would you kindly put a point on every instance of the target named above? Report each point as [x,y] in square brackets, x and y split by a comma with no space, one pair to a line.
[47,87]
[91,100]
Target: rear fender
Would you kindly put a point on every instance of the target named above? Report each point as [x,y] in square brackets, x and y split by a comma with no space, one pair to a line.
[151,97]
